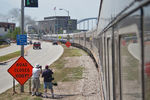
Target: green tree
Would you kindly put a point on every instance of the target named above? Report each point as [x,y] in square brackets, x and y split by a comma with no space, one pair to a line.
[13,34]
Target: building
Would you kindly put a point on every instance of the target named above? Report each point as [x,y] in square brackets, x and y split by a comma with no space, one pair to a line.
[31,29]
[5,27]
[57,25]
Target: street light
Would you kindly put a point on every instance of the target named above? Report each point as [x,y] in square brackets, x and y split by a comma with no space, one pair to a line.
[65,10]
[68,18]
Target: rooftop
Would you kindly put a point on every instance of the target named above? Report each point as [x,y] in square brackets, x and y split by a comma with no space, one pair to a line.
[57,17]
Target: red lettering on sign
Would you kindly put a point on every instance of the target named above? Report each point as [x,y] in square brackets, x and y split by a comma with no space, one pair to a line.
[22,64]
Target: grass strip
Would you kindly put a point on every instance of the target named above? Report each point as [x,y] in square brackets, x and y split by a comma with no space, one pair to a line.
[3,46]
[71,52]
[68,74]
[9,56]
[64,73]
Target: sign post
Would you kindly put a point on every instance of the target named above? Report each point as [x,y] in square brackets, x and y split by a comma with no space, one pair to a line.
[14,86]
[28,3]
[22,32]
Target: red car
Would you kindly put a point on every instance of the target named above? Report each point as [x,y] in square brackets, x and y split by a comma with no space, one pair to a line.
[36,45]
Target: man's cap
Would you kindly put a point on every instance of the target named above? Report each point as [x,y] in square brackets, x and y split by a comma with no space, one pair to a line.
[37,65]
[46,67]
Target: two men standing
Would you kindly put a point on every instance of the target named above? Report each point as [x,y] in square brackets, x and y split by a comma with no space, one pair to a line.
[47,75]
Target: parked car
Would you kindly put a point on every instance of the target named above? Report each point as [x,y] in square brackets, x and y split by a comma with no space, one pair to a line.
[4,42]
[36,45]
[55,43]
[13,41]
[29,42]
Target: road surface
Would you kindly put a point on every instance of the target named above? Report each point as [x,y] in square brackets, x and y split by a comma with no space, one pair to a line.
[12,48]
[48,54]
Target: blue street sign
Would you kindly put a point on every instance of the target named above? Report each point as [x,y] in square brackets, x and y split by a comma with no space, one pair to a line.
[21,39]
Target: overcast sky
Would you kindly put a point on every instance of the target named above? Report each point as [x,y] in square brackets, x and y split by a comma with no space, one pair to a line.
[78,9]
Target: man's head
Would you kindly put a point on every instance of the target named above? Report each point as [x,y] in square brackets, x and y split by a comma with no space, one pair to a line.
[37,66]
[40,66]
[46,67]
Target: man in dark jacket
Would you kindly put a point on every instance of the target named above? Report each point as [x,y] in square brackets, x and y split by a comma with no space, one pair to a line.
[47,75]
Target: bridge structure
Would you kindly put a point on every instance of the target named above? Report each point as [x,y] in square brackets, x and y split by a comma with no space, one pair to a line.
[87,24]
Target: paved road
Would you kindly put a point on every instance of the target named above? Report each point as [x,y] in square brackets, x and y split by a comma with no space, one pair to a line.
[46,55]
[12,48]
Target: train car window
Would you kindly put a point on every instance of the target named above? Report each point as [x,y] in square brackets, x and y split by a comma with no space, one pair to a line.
[101,52]
[146,39]
[85,39]
[106,66]
[117,68]
[5,29]
[110,73]
[108,76]
[104,60]
[129,30]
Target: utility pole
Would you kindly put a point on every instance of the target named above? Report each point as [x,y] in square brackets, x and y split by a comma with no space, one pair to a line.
[22,32]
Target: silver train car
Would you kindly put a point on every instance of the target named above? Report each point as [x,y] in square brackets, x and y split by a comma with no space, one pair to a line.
[120,46]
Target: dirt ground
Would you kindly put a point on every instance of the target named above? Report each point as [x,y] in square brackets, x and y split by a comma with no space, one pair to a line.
[87,88]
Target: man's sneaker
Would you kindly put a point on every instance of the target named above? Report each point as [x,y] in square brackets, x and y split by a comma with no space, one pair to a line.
[38,94]
[45,96]
[53,96]
[33,94]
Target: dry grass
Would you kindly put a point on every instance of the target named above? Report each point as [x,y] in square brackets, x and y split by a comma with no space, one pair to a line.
[3,46]
[8,95]
[67,74]
[9,56]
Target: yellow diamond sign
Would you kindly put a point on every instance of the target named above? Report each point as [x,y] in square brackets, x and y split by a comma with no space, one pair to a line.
[59,37]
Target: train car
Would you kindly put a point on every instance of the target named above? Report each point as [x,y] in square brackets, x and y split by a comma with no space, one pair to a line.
[121,46]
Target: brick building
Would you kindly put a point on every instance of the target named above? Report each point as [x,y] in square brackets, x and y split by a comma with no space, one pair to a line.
[5,27]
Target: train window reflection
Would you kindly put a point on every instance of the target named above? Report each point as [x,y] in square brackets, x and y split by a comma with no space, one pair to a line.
[146,51]
[117,70]
[130,67]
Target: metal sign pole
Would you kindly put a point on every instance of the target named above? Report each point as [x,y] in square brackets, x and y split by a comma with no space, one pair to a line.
[30,85]
[14,86]
[22,32]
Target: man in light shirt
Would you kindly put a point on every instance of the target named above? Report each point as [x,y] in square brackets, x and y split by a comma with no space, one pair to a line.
[35,79]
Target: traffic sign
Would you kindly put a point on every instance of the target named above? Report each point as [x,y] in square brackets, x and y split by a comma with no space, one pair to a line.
[59,37]
[22,39]
[21,70]
[68,44]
